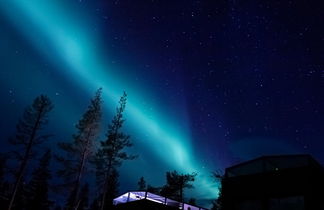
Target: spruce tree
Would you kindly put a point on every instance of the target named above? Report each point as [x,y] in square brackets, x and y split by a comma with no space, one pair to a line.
[84,198]
[3,163]
[20,200]
[95,204]
[112,154]
[176,183]
[155,190]
[27,137]
[80,150]
[218,202]
[3,183]
[141,184]
[112,188]
[192,201]
[38,188]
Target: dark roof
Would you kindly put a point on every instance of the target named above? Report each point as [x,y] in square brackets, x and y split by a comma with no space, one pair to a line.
[271,163]
[136,196]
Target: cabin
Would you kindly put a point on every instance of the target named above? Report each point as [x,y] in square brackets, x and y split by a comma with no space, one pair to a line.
[149,201]
[284,182]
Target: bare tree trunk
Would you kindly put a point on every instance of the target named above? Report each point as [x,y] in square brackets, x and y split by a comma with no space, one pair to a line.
[78,180]
[105,186]
[83,160]
[103,197]
[24,162]
[78,204]
[108,170]
[181,187]
[18,179]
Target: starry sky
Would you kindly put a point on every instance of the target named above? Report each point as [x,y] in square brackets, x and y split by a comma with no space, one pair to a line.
[210,83]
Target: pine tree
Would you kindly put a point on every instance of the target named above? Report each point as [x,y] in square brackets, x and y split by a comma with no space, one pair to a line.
[112,192]
[141,184]
[57,207]
[112,188]
[80,150]
[20,200]
[112,154]
[37,190]
[192,201]
[218,203]
[28,136]
[95,204]
[176,183]
[4,185]
[3,163]
[155,190]
[84,198]
[72,198]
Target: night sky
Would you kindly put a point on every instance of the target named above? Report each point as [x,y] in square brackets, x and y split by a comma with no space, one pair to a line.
[210,83]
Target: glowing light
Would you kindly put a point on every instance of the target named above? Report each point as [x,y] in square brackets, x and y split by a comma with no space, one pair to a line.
[64,40]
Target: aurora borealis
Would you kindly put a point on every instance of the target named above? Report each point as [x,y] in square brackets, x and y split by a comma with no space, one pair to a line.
[209,83]
[74,51]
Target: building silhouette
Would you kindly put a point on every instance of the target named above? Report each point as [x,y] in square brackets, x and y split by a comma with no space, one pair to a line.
[285,182]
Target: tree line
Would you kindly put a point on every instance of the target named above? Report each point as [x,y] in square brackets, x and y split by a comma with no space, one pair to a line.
[174,188]
[24,186]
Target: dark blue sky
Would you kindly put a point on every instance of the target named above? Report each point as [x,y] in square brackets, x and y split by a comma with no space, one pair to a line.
[210,83]
[248,70]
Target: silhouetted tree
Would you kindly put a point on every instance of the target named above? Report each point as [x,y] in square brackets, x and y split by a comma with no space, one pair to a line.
[79,151]
[169,192]
[192,201]
[4,185]
[112,154]
[37,190]
[112,189]
[57,207]
[20,200]
[218,203]
[151,189]
[95,204]
[3,163]
[84,198]
[28,136]
[176,183]
[141,184]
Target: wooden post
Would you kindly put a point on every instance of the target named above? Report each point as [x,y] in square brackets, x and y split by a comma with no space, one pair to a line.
[128,197]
